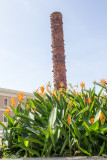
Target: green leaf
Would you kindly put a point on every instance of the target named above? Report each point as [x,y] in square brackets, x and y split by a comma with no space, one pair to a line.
[102,149]
[56,134]
[27,118]
[26,143]
[84,151]
[102,137]
[33,140]
[9,118]
[97,115]
[99,94]
[83,110]
[64,145]
[76,130]
[81,101]
[48,152]
[32,151]
[92,105]
[101,85]
[3,126]
[32,104]
[39,97]
[51,135]
[57,101]
[64,132]
[52,117]
[13,109]
[42,107]
[95,126]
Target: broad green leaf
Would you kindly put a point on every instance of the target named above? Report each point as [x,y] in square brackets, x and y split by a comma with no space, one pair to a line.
[102,149]
[84,151]
[52,117]
[48,152]
[81,101]
[9,118]
[26,143]
[57,101]
[33,140]
[101,85]
[99,94]
[39,97]
[85,141]
[95,126]
[27,118]
[15,111]
[32,104]
[83,110]
[56,134]
[64,132]
[41,106]
[76,130]
[32,151]
[51,135]
[64,145]
[3,126]
[97,115]
[92,105]
[102,137]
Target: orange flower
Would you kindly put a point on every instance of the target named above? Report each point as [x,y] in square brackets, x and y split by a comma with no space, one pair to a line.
[82,85]
[54,93]
[20,96]
[69,119]
[89,100]
[8,110]
[92,120]
[74,92]
[37,90]
[35,109]
[42,89]
[70,104]
[27,106]
[103,81]
[102,118]
[13,102]
[47,86]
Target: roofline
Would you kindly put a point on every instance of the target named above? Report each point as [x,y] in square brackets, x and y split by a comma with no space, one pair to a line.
[5,90]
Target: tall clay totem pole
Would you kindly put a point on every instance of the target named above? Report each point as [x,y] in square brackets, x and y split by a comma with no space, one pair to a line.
[58,52]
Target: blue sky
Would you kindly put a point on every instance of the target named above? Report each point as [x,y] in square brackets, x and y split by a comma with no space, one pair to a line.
[25,42]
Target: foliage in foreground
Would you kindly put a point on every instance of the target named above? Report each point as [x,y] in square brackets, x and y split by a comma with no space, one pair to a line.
[58,123]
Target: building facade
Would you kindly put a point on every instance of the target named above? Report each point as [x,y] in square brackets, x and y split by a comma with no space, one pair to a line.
[5,101]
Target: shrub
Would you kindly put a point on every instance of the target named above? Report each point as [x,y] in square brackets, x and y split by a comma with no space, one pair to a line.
[58,123]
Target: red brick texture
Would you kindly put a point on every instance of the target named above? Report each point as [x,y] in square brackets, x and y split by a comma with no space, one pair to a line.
[58,52]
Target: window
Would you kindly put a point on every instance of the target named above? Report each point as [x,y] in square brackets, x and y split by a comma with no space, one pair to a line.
[5,102]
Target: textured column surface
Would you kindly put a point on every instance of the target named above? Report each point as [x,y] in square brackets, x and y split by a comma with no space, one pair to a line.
[58,52]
